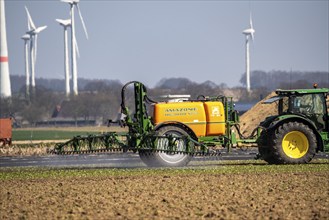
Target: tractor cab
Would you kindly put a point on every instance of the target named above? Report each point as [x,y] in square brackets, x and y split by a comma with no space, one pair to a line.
[308,103]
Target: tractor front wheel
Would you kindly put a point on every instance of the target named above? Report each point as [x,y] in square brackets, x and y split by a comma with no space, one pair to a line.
[292,143]
[167,159]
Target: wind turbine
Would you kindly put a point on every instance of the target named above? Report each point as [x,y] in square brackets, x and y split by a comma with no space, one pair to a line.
[33,32]
[73,4]
[249,33]
[5,87]
[26,38]
[66,24]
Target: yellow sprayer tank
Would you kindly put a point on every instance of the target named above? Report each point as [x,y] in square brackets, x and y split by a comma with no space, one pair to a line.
[204,118]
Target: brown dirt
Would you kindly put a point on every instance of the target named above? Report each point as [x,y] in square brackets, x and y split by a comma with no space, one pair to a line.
[194,196]
[251,119]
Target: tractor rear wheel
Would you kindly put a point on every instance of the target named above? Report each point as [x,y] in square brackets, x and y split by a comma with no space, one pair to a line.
[292,143]
[166,159]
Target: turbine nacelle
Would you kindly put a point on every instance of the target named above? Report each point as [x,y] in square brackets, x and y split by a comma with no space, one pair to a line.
[249,32]
[71,2]
[64,23]
[26,37]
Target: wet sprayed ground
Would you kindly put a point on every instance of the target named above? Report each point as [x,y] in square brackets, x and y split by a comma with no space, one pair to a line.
[169,194]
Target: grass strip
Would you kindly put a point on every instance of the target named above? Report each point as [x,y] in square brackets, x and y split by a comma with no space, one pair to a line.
[30,135]
[229,168]
[21,135]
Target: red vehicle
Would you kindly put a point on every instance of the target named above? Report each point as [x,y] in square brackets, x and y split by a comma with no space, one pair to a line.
[5,131]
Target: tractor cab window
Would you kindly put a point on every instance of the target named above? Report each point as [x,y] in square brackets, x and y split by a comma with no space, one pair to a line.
[308,104]
[312,106]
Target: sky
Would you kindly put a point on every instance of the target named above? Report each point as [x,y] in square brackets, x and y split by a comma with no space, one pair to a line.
[151,40]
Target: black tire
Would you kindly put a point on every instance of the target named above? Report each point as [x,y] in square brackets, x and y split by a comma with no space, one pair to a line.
[162,159]
[291,143]
[264,150]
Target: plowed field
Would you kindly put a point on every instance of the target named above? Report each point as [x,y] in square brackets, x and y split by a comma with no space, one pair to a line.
[301,192]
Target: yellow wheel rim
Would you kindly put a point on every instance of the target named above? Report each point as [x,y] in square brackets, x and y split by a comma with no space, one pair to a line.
[295,144]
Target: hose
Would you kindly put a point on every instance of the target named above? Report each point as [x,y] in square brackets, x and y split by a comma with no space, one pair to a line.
[252,135]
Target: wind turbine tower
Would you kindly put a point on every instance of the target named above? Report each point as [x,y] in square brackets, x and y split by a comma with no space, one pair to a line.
[5,87]
[26,39]
[33,32]
[249,33]
[73,4]
[66,24]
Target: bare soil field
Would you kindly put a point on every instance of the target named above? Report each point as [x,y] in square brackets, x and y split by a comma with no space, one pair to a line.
[170,194]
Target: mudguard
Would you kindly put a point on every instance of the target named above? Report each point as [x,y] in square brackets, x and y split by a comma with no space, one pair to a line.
[179,124]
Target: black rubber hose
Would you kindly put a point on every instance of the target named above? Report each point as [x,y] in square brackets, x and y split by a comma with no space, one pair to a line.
[252,135]
[123,94]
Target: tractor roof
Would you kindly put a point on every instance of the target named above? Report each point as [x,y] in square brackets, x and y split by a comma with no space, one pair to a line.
[301,91]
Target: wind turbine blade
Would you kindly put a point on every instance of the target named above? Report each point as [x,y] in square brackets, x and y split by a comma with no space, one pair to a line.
[252,32]
[76,47]
[83,23]
[30,21]
[250,21]
[28,25]
[39,29]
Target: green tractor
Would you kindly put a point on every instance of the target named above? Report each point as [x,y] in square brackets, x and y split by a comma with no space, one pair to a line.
[299,130]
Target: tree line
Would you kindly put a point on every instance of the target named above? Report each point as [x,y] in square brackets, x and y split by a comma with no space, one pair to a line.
[286,79]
